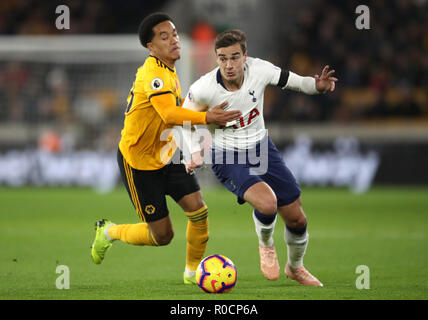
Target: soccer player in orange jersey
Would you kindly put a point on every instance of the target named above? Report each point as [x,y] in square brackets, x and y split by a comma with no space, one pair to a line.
[145,152]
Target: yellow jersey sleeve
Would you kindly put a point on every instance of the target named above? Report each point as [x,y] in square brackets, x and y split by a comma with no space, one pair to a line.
[154,80]
[161,88]
[173,115]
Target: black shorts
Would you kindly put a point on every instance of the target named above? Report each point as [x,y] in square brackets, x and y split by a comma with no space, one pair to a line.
[148,188]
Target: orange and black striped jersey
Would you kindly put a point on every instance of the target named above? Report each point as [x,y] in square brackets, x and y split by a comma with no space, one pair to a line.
[153,106]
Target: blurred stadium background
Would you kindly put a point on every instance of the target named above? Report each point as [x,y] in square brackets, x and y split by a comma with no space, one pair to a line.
[62,98]
[63,92]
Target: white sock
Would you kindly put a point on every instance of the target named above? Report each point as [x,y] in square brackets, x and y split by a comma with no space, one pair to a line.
[189,273]
[106,231]
[296,246]
[264,231]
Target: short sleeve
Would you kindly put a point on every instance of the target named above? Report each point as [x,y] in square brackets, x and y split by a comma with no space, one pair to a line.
[153,81]
[267,71]
[196,94]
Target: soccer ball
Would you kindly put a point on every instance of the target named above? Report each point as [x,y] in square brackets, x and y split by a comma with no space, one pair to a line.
[216,274]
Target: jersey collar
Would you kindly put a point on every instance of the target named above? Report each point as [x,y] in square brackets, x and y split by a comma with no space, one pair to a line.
[220,79]
[161,63]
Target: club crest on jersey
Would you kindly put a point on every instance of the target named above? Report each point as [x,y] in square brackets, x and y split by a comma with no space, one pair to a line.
[150,209]
[252,94]
[156,84]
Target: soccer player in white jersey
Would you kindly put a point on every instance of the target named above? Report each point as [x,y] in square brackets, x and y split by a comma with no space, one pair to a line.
[268,186]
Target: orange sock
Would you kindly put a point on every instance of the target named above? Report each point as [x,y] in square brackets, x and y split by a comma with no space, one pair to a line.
[197,237]
[138,234]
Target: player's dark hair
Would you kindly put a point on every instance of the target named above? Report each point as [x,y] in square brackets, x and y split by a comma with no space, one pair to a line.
[229,38]
[145,30]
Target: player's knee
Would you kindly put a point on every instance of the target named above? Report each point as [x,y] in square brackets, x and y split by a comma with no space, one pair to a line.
[164,238]
[196,206]
[268,207]
[297,222]
[192,202]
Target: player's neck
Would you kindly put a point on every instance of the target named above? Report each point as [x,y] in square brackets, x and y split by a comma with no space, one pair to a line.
[169,63]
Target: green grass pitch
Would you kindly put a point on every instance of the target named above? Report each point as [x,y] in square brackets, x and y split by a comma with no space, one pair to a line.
[384,229]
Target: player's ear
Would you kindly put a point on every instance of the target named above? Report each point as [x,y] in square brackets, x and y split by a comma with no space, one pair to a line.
[151,47]
[217,57]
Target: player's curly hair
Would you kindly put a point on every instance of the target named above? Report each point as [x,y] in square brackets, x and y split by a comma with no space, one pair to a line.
[229,38]
[145,30]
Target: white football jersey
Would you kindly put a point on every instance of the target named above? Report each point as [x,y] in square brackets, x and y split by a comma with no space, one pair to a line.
[245,132]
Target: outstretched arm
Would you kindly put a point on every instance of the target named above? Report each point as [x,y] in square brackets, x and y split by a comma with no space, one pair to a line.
[165,106]
[308,85]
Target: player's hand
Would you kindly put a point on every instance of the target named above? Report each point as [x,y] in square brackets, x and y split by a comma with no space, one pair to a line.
[220,116]
[196,162]
[325,82]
